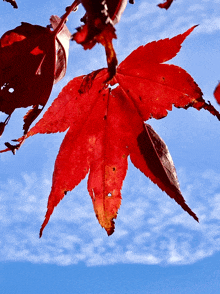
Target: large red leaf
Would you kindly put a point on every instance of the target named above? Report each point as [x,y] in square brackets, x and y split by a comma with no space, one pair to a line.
[107,124]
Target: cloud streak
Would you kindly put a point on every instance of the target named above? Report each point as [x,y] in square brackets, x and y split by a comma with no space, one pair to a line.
[150,229]
[146,22]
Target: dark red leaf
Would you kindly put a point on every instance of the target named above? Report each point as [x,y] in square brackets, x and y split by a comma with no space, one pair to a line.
[98,28]
[30,116]
[166,4]
[27,67]
[13,3]
[2,127]
[152,157]
[107,10]
[32,59]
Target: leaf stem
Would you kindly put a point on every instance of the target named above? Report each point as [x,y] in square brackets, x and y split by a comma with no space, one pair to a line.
[208,106]
[64,17]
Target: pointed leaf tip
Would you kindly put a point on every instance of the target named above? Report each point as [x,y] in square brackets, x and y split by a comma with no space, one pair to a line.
[46,220]
[189,31]
[155,52]
[110,231]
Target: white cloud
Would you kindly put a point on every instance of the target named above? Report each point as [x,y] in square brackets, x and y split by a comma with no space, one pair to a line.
[196,7]
[145,21]
[150,229]
[141,10]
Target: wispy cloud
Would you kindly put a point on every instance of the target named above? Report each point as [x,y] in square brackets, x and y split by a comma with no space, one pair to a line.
[145,21]
[150,229]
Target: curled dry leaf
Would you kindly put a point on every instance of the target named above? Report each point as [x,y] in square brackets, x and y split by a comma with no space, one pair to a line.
[166,4]
[62,49]
[100,18]
[106,125]
[158,165]
[32,59]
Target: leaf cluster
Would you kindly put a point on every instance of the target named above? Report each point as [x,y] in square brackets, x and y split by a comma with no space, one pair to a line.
[104,112]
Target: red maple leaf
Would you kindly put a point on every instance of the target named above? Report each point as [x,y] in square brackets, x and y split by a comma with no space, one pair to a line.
[166,4]
[106,124]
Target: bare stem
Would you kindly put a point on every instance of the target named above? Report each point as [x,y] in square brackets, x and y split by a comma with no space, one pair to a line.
[64,17]
[208,106]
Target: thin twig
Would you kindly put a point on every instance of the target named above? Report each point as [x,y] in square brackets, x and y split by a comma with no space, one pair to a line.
[64,17]
[208,106]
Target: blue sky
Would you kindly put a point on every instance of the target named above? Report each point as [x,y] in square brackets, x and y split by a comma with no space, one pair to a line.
[156,247]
